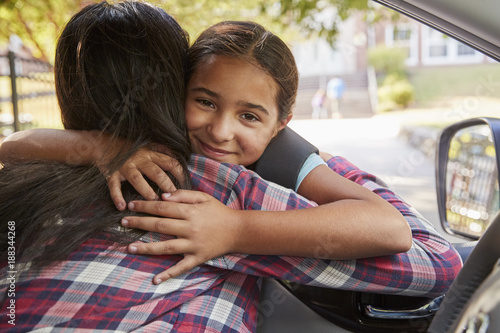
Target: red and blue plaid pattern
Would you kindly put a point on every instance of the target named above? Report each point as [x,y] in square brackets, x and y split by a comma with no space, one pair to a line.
[103,288]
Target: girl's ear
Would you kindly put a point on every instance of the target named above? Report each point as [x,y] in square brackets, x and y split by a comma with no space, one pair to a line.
[284,122]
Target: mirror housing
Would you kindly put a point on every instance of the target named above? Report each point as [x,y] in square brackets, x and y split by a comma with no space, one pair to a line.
[449,150]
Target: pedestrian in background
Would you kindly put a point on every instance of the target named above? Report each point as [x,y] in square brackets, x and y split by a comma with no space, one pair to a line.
[334,90]
[318,104]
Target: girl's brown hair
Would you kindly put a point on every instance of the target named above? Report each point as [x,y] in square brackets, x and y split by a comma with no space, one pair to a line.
[251,42]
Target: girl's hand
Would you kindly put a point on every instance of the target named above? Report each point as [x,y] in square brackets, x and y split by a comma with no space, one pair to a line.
[146,162]
[205,229]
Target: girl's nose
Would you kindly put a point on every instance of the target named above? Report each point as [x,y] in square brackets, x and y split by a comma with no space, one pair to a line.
[221,129]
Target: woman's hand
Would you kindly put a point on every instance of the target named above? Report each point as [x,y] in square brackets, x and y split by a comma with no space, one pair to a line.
[149,163]
[205,229]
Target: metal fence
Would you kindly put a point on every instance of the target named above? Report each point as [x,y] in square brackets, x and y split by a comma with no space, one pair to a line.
[27,95]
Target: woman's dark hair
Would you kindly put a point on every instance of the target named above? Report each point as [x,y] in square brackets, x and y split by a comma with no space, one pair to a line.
[251,42]
[120,70]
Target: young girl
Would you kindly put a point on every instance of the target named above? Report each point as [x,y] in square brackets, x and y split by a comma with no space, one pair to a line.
[242,84]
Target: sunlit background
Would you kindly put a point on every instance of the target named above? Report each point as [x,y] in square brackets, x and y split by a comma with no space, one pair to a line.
[386,62]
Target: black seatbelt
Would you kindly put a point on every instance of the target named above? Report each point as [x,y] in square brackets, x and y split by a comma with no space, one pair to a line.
[283,158]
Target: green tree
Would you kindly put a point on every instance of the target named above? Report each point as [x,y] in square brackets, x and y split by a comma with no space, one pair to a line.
[36,22]
[387,60]
[308,15]
[39,22]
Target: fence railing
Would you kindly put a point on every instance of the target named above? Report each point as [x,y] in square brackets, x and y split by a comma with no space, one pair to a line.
[27,95]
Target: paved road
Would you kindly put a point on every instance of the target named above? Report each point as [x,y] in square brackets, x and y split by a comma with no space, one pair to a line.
[374,146]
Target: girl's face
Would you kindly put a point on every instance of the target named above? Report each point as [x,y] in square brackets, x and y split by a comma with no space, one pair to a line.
[231,110]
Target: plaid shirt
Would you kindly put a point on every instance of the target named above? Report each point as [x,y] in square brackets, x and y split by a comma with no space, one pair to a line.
[101,288]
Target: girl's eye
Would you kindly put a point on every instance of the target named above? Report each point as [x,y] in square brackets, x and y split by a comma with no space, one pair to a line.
[206,103]
[249,117]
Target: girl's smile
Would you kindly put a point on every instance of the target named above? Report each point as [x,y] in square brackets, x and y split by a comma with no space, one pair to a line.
[210,151]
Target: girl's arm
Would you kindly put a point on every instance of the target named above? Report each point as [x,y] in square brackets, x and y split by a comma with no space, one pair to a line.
[94,147]
[64,146]
[352,223]
[427,269]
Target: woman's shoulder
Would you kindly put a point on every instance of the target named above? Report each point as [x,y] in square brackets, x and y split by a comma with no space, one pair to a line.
[201,166]
[215,178]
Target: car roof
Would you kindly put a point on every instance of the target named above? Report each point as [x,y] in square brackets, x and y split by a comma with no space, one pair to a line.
[475,23]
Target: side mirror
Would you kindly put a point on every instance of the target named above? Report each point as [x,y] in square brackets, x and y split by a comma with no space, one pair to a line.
[467,176]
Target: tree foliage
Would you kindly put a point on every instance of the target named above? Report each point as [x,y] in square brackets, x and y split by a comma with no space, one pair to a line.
[39,22]
[309,15]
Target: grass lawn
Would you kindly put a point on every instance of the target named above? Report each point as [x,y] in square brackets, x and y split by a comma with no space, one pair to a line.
[448,94]
[437,84]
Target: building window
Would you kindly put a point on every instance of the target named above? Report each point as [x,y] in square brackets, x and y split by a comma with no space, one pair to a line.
[401,34]
[464,50]
[438,50]
[438,44]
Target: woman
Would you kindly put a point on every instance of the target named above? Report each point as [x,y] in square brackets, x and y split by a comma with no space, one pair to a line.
[101,96]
